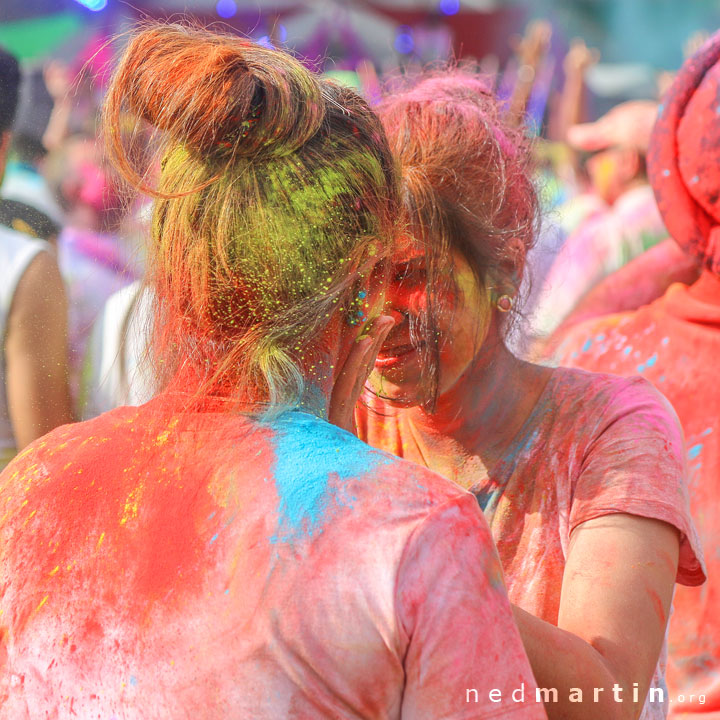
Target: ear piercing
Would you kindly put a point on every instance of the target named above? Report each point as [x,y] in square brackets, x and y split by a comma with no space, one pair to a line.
[504,303]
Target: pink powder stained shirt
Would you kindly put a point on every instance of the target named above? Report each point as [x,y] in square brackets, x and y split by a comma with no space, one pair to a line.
[593,445]
[181,560]
[675,343]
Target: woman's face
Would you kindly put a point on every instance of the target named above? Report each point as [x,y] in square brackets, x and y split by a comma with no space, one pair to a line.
[462,321]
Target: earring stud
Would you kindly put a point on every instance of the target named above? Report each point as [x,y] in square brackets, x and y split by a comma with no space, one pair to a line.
[504,303]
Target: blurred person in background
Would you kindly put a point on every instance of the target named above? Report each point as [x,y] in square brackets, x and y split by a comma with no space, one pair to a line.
[644,278]
[33,316]
[118,367]
[623,226]
[565,199]
[96,258]
[97,251]
[580,475]
[27,203]
[675,343]
[223,550]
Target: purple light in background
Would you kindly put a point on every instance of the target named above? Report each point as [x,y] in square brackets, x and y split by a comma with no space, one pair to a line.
[449,7]
[94,5]
[404,42]
[281,33]
[226,8]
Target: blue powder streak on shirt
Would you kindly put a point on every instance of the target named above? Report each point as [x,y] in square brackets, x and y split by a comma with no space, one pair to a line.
[648,363]
[308,451]
[587,345]
[695,450]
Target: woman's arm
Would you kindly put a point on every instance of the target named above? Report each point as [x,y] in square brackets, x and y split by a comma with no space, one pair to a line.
[36,354]
[615,601]
[577,61]
[532,50]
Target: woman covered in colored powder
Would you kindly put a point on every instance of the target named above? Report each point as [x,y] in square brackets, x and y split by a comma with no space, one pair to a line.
[580,476]
[675,343]
[223,551]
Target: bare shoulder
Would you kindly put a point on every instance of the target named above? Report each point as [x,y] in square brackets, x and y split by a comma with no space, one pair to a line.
[41,284]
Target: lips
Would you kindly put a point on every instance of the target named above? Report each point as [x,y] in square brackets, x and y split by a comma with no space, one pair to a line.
[393,355]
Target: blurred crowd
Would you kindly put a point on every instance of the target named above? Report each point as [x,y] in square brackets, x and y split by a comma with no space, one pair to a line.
[599,214]
[75,314]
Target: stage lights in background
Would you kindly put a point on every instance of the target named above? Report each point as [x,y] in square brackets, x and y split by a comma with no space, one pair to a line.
[404,41]
[226,8]
[449,7]
[94,5]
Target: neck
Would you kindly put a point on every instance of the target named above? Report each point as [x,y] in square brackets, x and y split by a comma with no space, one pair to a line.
[484,410]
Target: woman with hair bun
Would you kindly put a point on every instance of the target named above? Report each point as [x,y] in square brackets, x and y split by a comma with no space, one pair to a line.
[580,475]
[223,551]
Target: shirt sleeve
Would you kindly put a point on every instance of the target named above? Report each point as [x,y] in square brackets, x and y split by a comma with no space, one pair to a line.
[464,657]
[636,465]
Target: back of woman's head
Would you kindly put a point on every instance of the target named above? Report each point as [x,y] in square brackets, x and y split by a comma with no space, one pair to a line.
[466,172]
[275,194]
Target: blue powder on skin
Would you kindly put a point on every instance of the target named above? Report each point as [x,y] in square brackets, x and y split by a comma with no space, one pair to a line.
[309,453]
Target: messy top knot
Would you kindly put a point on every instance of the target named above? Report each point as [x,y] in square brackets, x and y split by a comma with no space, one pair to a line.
[219,95]
[274,192]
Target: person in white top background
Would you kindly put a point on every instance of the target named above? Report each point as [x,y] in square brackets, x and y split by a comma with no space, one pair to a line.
[34,395]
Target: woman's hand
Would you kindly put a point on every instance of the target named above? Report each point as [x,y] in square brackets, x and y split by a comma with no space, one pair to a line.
[351,378]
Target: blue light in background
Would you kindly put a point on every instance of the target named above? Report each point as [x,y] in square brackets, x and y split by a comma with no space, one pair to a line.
[226,8]
[94,5]
[281,33]
[404,42]
[449,7]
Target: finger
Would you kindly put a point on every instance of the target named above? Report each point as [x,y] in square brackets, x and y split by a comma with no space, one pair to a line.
[383,327]
[376,334]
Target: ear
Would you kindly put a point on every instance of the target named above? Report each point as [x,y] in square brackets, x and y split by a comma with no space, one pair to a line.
[513,265]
